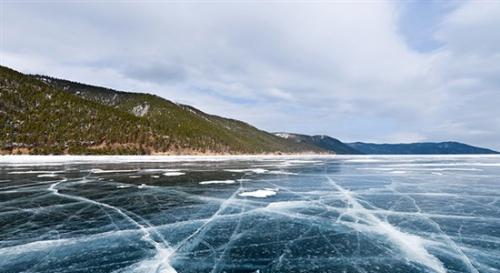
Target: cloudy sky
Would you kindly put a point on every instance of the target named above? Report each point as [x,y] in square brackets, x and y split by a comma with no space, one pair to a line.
[370,70]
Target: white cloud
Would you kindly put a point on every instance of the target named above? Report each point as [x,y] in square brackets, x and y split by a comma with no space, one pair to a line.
[332,68]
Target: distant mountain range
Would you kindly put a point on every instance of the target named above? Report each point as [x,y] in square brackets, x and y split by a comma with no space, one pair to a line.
[336,146]
[45,115]
[324,142]
[420,148]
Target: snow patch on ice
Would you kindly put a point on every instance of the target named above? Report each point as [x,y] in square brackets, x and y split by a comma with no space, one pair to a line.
[111,171]
[173,173]
[34,172]
[259,171]
[281,172]
[160,170]
[244,180]
[47,175]
[259,193]
[256,170]
[217,182]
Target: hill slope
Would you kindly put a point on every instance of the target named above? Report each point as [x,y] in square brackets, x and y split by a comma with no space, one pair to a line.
[321,141]
[42,115]
[420,148]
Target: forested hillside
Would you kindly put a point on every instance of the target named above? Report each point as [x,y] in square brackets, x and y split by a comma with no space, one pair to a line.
[321,141]
[41,115]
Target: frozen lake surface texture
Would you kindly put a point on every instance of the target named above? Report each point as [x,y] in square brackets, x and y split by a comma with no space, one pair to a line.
[250,214]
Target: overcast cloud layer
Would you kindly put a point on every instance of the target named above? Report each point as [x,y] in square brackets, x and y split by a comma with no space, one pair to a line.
[372,71]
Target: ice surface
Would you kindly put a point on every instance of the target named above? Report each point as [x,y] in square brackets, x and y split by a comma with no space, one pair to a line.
[242,214]
[366,220]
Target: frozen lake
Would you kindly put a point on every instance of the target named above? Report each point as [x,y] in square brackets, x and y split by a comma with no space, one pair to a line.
[250,214]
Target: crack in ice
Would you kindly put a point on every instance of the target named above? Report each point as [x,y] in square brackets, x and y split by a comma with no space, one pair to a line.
[411,245]
[159,263]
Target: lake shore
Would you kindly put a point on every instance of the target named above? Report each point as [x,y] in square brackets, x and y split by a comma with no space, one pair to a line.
[51,159]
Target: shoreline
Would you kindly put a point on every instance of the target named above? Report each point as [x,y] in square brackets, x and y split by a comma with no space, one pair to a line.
[186,152]
[63,159]
[83,159]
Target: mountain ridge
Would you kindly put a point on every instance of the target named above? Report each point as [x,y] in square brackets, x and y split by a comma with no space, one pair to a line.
[446,147]
[332,144]
[46,115]
[322,141]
